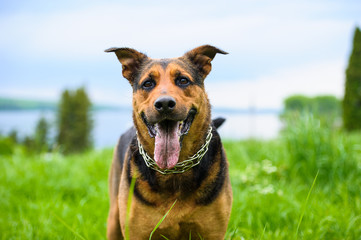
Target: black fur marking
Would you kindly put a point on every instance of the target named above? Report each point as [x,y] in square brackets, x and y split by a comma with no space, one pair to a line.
[179,183]
[145,67]
[214,189]
[123,144]
[192,70]
[197,79]
[134,153]
[200,171]
[214,153]
[147,173]
[137,74]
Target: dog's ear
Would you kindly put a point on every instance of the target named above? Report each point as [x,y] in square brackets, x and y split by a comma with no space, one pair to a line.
[130,59]
[202,56]
[218,122]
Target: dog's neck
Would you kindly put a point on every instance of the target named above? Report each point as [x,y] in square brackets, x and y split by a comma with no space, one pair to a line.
[181,166]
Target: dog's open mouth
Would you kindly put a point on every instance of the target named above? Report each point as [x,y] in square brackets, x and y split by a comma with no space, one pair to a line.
[168,136]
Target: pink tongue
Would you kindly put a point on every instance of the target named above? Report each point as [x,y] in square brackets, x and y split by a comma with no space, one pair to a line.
[167,147]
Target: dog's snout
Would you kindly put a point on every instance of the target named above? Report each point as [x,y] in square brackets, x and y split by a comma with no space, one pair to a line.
[165,104]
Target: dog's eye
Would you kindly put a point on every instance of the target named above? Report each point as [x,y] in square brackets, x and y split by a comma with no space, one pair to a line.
[148,84]
[182,81]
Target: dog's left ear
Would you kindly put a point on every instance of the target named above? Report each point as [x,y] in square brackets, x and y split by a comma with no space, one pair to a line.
[202,56]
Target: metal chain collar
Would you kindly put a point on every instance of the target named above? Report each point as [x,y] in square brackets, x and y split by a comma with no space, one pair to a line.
[180,167]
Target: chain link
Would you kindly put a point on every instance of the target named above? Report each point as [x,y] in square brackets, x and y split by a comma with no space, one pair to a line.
[180,167]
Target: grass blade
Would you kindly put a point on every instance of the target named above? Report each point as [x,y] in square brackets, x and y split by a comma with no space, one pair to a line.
[160,221]
[304,206]
[200,237]
[264,230]
[68,227]
[129,203]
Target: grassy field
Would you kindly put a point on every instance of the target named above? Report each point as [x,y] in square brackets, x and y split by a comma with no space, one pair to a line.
[304,185]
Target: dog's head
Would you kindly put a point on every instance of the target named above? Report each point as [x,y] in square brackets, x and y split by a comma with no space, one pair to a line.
[171,111]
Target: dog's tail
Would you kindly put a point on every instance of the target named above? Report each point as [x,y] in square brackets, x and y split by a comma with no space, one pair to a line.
[217,122]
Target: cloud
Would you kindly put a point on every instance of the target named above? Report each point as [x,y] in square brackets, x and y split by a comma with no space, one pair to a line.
[276,48]
[84,33]
[322,78]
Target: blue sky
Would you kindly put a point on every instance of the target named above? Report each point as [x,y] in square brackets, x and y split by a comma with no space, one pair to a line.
[277,48]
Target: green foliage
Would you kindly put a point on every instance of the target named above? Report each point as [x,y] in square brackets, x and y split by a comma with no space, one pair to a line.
[37,142]
[13,135]
[352,99]
[298,103]
[313,146]
[326,105]
[7,145]
[29,145]
[42,135]
[74,121]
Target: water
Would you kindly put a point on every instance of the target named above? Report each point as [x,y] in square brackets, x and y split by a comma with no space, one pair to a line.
[109,124]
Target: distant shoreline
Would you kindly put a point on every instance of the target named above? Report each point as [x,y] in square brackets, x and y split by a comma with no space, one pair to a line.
[13,104]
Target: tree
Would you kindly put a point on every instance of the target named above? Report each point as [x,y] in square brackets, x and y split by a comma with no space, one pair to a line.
[297,103]
[29,144]
[326,105]
[13,135]
[352,99]
[42,135]
[74,121]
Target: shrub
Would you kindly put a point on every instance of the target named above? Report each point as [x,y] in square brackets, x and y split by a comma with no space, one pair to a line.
[326,105]
[352,100]
[6,145]
[312,146]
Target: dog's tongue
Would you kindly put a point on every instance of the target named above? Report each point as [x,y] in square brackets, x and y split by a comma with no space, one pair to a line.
[167,146]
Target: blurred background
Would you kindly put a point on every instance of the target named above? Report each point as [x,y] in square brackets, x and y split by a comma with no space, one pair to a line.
[277,49]
[290,90]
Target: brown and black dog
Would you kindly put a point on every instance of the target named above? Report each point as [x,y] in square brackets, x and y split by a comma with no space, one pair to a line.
[172,125]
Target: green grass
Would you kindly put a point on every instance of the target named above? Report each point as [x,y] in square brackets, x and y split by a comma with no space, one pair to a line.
[276,193]
[54,197]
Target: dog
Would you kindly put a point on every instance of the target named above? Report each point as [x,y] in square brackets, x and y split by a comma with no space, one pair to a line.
[173,152]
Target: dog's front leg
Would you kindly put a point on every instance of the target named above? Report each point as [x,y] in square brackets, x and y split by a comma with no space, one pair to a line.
[113,228]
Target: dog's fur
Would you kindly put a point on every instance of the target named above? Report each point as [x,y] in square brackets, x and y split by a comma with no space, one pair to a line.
[203,193]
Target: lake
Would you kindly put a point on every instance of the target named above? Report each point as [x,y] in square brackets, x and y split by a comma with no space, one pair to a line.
[109,124]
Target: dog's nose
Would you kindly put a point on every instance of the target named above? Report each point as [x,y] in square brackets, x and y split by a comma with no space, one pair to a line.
[165,104]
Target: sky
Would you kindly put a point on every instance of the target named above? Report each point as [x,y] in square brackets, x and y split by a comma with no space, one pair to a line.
[276,48]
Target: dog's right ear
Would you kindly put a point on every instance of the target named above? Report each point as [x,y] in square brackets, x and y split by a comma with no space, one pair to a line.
[130,59]
[218,122]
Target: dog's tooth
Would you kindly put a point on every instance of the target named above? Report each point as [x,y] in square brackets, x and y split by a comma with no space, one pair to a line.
[156,130]
[179,128]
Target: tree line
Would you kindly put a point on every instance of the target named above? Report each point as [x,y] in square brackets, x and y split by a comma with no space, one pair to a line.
[74,126]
